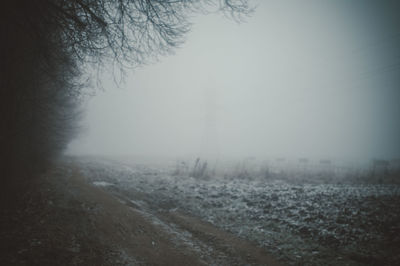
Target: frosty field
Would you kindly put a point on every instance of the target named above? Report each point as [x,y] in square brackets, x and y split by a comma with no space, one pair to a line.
[299,223]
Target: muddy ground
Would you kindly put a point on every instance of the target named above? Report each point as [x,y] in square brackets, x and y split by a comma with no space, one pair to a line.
[63,218]
[93,211]
[297,221]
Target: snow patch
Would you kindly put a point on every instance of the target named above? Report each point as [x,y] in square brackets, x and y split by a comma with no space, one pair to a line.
[102,184]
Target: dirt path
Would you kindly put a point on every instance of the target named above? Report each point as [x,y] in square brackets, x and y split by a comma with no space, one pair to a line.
[228,248]
[64,220]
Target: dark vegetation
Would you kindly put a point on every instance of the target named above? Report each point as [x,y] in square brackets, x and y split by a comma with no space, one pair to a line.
[50,50]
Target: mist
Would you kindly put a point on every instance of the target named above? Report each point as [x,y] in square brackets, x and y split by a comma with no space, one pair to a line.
[144,132]
[315,79]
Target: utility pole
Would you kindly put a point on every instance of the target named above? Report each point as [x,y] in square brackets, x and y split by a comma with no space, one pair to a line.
[209,145]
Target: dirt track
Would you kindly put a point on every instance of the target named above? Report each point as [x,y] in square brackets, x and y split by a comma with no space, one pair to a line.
[64,220]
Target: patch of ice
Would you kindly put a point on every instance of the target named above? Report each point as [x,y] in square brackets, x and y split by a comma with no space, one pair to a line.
[102,184]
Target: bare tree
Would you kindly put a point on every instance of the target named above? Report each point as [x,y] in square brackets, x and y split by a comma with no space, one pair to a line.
[125,31]
[46,47]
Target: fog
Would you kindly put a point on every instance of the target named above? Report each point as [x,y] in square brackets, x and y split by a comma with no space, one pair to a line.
[317,79]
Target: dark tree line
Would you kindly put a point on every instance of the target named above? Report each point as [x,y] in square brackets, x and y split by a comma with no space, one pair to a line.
[47,47]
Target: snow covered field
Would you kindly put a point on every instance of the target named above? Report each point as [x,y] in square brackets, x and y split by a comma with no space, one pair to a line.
[300,224]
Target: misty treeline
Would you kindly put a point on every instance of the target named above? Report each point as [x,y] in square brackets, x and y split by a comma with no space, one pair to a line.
[50,50]
[292,171]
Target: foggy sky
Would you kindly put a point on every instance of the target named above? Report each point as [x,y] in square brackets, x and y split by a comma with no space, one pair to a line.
[299,78]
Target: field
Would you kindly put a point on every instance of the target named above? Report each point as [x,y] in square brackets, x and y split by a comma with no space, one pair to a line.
[298,221]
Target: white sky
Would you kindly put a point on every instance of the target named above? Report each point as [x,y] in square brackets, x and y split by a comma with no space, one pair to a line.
[299,78]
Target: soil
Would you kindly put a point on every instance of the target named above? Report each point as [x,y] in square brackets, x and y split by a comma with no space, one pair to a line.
[60,218]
